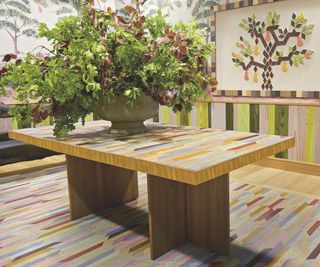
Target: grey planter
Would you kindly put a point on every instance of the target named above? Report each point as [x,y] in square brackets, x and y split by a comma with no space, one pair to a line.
[127,118]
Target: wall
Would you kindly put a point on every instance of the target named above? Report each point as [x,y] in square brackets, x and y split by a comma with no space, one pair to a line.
[31,13]
[285,77]
[299,121]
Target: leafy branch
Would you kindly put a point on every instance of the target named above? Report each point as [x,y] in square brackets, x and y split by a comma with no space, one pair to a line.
[102,53]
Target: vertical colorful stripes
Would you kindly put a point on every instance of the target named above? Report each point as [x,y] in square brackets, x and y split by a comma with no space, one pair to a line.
[271,119]
[229,116]
[254,118]
[299,121]
[183,117]
[317,141]
[5,125]
[281,124]
[15,124]
[296,123]
[164,114]
[202,114]
[281,120]
[89,117]
[311,121]
[219,116]
[243,117]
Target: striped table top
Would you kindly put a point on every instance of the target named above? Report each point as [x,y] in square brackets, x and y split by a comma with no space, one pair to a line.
[186,154]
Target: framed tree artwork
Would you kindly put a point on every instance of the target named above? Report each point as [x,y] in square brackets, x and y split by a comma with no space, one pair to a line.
[267,48]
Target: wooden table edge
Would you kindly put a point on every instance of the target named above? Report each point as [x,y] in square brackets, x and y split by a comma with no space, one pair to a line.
[157,169]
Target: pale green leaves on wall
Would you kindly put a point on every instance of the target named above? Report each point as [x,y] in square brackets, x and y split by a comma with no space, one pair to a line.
[16,20]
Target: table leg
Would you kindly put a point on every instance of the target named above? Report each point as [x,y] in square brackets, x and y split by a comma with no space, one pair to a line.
[95,186]
[208,214]
[180,213]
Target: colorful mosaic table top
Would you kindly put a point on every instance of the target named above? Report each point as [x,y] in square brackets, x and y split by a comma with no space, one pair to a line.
[181,153]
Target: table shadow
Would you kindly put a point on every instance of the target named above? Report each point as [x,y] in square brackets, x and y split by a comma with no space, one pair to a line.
[135,219]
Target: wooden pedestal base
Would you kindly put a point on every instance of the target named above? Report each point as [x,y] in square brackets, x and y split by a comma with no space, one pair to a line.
[95,186]
[180,213]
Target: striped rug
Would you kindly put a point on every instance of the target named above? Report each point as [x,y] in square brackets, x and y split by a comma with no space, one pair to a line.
[268,228]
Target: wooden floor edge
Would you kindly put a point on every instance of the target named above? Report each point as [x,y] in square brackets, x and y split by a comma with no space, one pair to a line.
[53,161]
[279,188]
[290,165]
[30,166]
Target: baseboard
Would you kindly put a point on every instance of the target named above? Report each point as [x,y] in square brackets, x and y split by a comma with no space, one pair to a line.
[290,165]
[30,166]
[53,161]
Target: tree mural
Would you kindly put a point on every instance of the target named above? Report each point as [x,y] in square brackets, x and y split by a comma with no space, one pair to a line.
[16,20]
[150,7]
[44,4]
[272,47]
[69,7]
[201,10]
[74,6]
[66,7]
[167,6]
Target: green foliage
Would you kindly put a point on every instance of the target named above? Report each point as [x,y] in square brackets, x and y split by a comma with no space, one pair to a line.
[102,54]
[245,47]
[273,18]
[307,30]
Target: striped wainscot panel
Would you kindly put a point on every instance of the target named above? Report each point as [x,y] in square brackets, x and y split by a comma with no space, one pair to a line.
[8,124]
[300,121]
[5,125]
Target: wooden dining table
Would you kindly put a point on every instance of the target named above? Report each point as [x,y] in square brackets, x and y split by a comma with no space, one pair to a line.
[187,173]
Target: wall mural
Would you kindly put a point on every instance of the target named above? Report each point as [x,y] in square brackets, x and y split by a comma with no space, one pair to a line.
[69,7]
[150,7]
[19,18]
[17,21]
[276,53]
[201,10]
[167,6]
[269,47]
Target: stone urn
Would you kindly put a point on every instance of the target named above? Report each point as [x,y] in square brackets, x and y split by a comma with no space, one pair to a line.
[126,118]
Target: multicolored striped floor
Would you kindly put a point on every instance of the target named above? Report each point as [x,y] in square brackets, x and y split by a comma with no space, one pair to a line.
[268,228]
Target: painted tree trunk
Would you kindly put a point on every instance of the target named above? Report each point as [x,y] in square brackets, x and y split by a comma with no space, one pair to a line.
[267,76]
[15,46]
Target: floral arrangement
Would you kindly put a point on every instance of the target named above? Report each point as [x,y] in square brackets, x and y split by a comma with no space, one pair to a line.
[104,54]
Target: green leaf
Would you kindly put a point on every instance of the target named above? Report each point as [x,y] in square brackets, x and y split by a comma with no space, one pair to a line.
[29,32]
[18,5]
[307,29]
[8,24]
